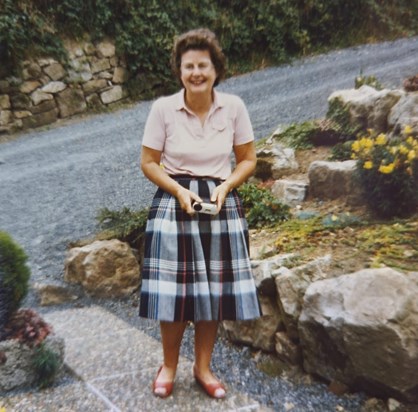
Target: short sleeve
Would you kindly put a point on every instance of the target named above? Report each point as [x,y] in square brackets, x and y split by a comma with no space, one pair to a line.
[155,131]
[243,129]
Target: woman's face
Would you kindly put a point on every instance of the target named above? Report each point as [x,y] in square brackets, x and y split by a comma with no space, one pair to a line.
[198,73]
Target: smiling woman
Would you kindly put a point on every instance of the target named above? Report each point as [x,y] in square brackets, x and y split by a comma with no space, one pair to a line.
[196,266]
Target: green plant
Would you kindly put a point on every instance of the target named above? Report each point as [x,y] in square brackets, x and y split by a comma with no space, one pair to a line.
[388,172]
[46,364]
[14,276]
[125,225]
[339,113]
[261,207]
[371,81]
[341,151]
[298,135]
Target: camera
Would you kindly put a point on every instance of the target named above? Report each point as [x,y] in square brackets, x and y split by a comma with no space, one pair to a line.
[208,208]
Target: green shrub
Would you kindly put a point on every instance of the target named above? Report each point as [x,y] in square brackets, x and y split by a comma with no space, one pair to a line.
[14,275]
[339,113]
[261,207]
[341,151]
[126,225]
[298,135]
[388,172]
[371,81]
[46,364]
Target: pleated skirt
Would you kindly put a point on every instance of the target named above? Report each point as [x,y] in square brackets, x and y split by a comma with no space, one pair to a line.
[197,267]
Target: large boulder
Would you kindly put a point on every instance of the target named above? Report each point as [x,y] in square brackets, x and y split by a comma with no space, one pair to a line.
[361,329]
[290,192]
[291,286]
[259,333]
[275,161]
[405,113]
[333,180]
[104,268]
[367,107]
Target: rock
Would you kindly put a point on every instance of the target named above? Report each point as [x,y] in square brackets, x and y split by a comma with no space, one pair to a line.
[54,87]
[79,71]
[5,117]
[21,114]
[362,330]
[112,95]
[4,87]
[287,350]
[53,294]
[29,86]
[105,49]
[55,71]
[275,161]
[120,75]
[18,372]
[46,61]
[338,388]
[259,333]
[405,113]
[5,102]
[368,107]
[105,75]
[89,48]
[20,101]
[263,272]
[93,101]
[32,71]
[93,86]
[41,119]
[38,97]
[70,102]
[104,268]
[45,106]
[114,60]
[73,48]
[290,192]
[374,405]
[99,65]
[333,180]
[291,286]
[395,406]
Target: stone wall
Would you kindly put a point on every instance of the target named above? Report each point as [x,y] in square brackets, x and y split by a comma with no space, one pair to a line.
[48,90]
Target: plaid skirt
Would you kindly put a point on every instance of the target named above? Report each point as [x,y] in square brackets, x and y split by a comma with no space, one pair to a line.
[197,267]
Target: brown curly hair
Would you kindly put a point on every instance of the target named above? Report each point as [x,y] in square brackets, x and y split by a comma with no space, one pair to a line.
[199,39]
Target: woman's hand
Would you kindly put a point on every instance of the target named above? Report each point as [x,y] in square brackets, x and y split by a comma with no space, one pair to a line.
[186,198]
[219,194]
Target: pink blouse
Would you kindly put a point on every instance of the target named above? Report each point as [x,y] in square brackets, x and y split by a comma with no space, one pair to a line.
[187,147]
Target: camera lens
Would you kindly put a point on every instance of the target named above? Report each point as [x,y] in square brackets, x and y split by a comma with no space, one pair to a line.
[197,206]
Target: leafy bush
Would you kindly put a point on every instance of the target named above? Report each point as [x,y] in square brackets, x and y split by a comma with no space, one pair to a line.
[46,364]
[339,113]
[14,277]
[261,207]
[298,135]
[341,151]
[125,225]
[371,81]
[388,172]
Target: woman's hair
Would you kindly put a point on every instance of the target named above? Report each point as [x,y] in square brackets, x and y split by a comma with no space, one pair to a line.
[199,39]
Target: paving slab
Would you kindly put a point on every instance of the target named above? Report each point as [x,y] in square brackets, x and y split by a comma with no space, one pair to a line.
[115,364]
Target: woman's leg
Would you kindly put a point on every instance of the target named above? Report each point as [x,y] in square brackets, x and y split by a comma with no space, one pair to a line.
[171,336]
[205,337]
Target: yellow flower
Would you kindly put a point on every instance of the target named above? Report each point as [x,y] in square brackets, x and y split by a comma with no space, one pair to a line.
[356,146]
[366,142]
[394,150]
[381,139]
[386,169]
[368,164]
[407,130]
[412,155]
[334,218]
[403,149]
[2,409]
[410,140]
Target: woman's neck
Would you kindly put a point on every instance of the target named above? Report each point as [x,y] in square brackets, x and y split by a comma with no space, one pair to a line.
[199,104]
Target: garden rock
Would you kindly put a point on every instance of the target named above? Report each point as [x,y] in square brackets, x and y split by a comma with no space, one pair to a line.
[368,107]
[405,113]
[71,101]
[291,286]
[275,161]
[17,370]
[104,268]
[362,329]
[333,180]
[259,333]
[290,192]
[53,294]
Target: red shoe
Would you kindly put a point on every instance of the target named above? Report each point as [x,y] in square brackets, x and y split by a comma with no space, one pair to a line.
[162,389]
[214,390]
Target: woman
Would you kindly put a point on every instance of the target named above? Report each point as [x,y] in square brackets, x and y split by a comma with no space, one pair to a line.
[196,266]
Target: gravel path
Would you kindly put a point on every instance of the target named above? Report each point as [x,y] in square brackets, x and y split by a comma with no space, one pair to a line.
[53,182]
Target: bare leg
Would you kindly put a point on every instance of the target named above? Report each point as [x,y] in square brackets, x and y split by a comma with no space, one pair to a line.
[205,337]
[171,335]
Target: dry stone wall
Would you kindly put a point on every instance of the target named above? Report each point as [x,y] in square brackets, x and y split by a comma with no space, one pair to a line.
[47,90]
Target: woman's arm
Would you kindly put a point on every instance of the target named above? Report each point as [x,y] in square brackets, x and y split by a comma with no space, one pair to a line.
[150,165]
[246,161]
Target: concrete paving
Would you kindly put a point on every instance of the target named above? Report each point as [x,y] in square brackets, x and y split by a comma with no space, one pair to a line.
[114,365]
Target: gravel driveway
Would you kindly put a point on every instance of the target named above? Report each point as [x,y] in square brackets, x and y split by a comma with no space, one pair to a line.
[53,182]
